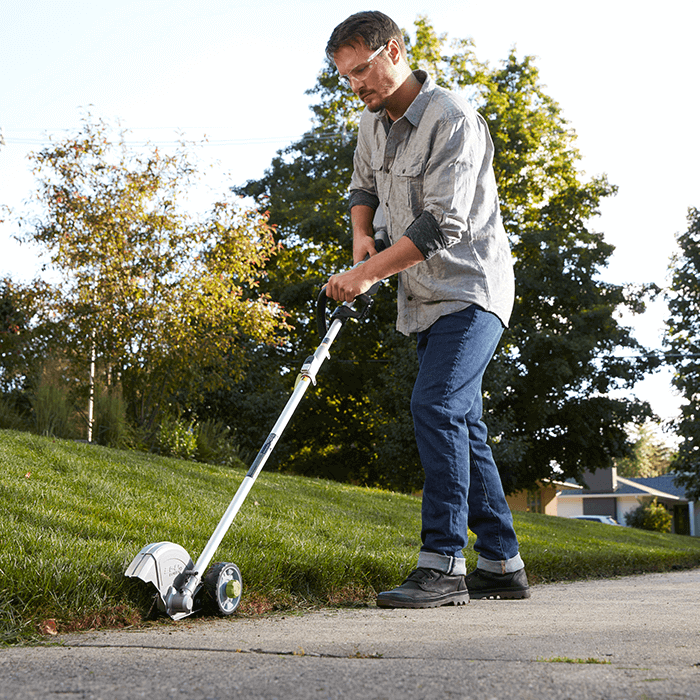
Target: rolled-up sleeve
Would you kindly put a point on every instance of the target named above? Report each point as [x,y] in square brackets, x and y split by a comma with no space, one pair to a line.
[363,197]
[426,234]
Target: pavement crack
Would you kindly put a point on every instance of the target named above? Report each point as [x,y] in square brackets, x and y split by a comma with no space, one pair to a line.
[268,652]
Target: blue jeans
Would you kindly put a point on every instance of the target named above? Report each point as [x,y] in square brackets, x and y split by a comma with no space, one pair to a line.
[462,485]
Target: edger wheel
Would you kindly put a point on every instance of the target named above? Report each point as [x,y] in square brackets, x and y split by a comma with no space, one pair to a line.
[224,585]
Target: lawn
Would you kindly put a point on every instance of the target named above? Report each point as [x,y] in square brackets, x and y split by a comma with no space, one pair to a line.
[74,515]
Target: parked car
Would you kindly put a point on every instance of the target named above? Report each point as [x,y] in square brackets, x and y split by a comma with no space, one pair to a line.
[597,518]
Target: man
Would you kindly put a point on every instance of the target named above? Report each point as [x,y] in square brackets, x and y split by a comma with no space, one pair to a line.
[425,156]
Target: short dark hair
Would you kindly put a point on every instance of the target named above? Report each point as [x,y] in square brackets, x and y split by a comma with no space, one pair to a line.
[374,28]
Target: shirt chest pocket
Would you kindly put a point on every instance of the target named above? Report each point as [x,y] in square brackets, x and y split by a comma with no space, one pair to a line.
[408,179]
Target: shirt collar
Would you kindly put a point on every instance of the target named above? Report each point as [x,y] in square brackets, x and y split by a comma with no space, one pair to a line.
[416,109]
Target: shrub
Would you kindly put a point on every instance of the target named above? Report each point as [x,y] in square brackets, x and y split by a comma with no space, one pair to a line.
[215,443]
[10,416]
[176,438]
[111,426]
[53,411]
[650,516]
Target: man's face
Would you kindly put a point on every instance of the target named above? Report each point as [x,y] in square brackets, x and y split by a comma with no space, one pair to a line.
[373,80]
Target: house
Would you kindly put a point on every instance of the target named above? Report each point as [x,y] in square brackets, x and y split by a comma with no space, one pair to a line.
[540,499]
[610,494]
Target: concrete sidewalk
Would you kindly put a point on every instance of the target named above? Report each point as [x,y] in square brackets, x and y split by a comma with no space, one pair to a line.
[641,634]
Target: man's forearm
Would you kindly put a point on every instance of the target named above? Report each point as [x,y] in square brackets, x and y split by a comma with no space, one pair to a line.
[397,258]
[400,256]
[362,217]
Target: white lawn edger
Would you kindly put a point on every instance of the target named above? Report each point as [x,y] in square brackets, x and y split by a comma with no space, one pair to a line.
[178,581]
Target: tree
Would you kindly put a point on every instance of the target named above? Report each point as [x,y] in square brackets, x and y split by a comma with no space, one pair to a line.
[547,391]
[16,312]
[649,457]
[163,297]
[23,330]
[305,190]
[683,342]
[560,358]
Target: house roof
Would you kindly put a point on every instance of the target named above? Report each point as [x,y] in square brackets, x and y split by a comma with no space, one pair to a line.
[635,487]
[660,486]
[663,483]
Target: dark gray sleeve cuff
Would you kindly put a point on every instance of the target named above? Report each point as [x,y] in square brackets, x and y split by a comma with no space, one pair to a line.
[426,235]
[363,197]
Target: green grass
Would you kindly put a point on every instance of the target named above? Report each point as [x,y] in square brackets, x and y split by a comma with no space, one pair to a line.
[74,515]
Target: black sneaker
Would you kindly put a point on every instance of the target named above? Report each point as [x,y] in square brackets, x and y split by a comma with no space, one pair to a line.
[484,584]
[426,588]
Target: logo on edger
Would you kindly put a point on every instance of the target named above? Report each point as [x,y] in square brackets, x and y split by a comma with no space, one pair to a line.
[172,571]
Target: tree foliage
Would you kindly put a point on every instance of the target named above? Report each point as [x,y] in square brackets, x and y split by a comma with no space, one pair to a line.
[649,457]
[683,341]
[162,296]
[547,390]
[22,333]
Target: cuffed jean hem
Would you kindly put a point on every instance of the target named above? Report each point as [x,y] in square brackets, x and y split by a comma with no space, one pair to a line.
[454,566]
[506,566]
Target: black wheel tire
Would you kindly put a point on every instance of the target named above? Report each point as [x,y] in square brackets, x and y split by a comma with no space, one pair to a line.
[224,586]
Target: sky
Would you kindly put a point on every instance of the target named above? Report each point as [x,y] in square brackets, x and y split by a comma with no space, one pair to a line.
[624,74]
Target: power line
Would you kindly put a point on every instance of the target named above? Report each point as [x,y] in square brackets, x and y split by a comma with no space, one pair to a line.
[341,135]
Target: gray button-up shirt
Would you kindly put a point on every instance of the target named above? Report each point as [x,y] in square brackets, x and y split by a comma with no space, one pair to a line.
[431,172]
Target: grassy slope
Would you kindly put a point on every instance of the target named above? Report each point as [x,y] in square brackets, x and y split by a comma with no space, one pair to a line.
[73,516]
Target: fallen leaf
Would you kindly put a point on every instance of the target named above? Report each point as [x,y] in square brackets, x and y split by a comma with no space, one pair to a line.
[49,627]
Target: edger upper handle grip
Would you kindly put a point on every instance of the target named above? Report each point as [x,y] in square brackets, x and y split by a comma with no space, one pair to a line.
[381,242]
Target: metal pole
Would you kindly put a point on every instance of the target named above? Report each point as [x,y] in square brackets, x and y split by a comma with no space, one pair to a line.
[180,599]
[307,377]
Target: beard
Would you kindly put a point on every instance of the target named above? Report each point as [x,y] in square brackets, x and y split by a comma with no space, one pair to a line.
[376,102]
[381,94]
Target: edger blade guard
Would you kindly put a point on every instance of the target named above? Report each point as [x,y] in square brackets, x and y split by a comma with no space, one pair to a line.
[160,564]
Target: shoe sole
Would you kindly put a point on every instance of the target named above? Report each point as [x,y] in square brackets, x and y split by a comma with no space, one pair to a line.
[436,603]
[500,595]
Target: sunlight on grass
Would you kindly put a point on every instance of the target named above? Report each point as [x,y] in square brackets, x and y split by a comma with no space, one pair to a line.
[75,515]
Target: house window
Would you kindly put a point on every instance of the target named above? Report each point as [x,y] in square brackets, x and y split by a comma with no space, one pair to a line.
[534,501]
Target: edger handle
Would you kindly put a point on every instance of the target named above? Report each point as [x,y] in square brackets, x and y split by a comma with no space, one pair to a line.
[345,311]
